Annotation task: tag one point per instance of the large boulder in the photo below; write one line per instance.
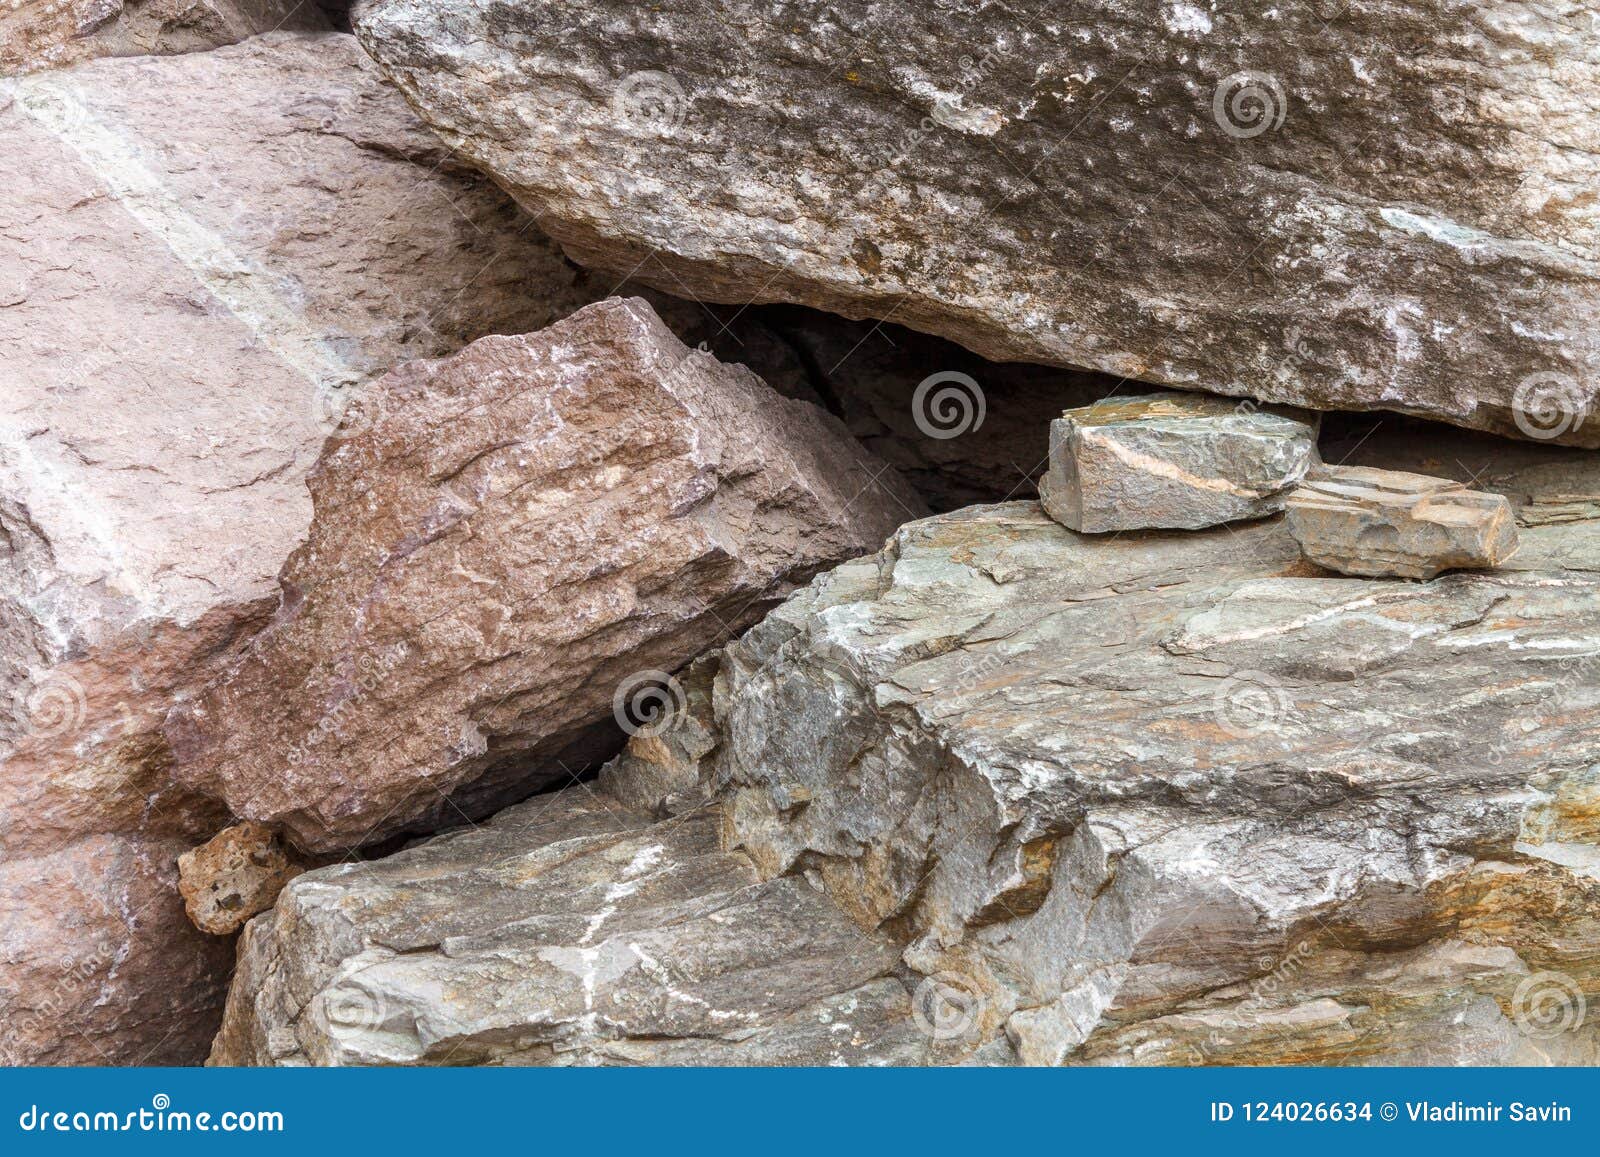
(1174, 798)
(512, 548)
(38, 34)
(1385, 208)
(568, 931)
(200, 257)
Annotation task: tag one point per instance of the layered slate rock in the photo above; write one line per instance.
(511, 548)
(37, 34)
(568, 931)
(200, 257)
(1344, 213)
(1165, 798)
(1362, 521)
(233, 876)
(1173, 461)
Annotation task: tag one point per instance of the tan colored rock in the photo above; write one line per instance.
(234, 875)
(1362, 521)
(511, 549)
(1173, 461)
(199, 256)
(38, 34)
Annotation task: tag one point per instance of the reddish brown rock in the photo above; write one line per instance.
(199, 256)
(234, 875)
(510, 547)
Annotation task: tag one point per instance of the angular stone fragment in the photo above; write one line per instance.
(510, 547)
(567, 931)
(1256, 200)
(1162, 799)
(233, 876)
(1361, 521)
(1173, 461)
(200, 256)
(660, 771)
(38, 34)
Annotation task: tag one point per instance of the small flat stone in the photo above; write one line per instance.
(1174, 461)
(1363, 521)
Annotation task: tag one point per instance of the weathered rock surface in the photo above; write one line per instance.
(1552, 491)
(1354, 212)
(234, 875)
(199, 255)
(567, 931)
(1173, 461)
(978, 432)
(38, 34)
(1160, 799)
(1362, 521)
(509, 547)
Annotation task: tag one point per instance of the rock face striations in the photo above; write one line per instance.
(1161, 798)
(509, 546)
(201, 258)
(1156, 799)
(1386, 209)
(569, 931)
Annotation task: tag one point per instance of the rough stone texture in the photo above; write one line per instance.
(1362, 521)
(234, 875)
(568, 931)
(1162, 798)
(983, 442)
(1173, 461)
(37, 34)
(195, 251)
(661, 771)
(1389, 208)
(505, 542)
(1550, 490)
